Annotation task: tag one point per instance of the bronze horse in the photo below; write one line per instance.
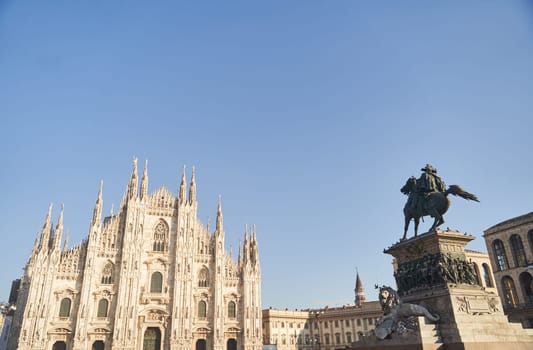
(435, 204)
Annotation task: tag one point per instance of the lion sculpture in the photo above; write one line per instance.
(396, 313)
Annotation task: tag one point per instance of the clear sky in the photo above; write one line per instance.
(305, 116)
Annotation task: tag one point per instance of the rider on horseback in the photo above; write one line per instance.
(427, 183)
(429, 196)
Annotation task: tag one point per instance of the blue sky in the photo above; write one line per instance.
(306, 117)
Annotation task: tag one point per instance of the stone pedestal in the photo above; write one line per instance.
(432, 271)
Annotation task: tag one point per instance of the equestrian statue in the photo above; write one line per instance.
(428, 196)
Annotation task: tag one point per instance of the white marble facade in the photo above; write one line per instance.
(150, 276)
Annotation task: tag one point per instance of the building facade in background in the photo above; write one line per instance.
(510, 247)
(321, 329)
(481, 263)
(150, 276)
(7, 311)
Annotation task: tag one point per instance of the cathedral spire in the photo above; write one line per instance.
(254, 251)
(47, 228)
(132, 186)
(144, 181)
(48, 221)
(65, 245)
(192, 188)
(183, 187)
(239, 258)
(35, 244)
(219, 227)
(246, 247)
(359, 291)
(97, 212)
(58, 233)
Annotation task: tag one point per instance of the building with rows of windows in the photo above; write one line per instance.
(150, 277)
(321, 329)
(481, 263)
(510, 247)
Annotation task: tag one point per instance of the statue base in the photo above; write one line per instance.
(432, 271)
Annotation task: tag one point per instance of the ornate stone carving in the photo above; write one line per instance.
(397, 316)
(432, 270)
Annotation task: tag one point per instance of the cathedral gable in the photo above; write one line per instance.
(161, 201)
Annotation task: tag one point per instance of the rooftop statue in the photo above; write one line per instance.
(428, 196)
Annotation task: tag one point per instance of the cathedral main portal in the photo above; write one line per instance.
(152, 339)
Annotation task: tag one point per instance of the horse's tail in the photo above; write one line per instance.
(458, 191)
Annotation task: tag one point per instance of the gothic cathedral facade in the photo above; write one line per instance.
(149, 277)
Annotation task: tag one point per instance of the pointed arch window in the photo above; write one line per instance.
(231, 309)
(156, 283)
(202, 309)
(160, 237)
(64, 307)
(499, 255)
(107, 274)
(517, 248)
(103, 305)
(203, 278)
(509, 291)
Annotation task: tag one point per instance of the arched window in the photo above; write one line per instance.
(64, 307)
(156, 283)
(202, 309)
(349, 337)
(59, 345)
(499, 255)
(152, 338)
(98, 345)
(160, 237)
(478, 274)
(201, 344)
(526, 282)
(530, 238)
(102, 308)
(231, 309)
(486, 276)
(509, 291)
(517, 248)
(231, 344)
(107, 274)
(203, 278)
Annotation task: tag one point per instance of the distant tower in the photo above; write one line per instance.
(359, 291)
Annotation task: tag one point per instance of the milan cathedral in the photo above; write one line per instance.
(150, 277)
